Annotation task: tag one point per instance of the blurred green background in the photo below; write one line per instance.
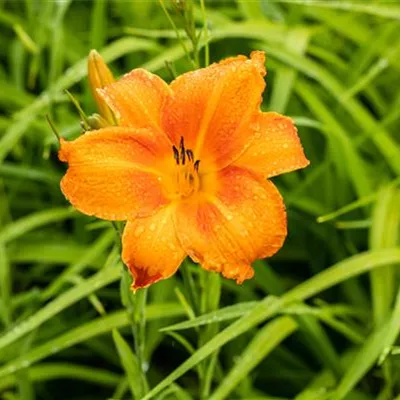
(320, 320)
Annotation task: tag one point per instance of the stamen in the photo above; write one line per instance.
(176, 154)
(187, 171)
(182, 150)
(190, 155)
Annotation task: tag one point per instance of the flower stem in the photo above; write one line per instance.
(135, 305)
(191, 289)
(182, 42)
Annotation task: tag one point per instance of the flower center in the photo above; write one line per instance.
(187, 170)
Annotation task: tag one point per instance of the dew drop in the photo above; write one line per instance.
(172, 247)
(139, 230)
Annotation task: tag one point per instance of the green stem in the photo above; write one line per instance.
(205, 30)
(190, 286)
(135, 305)
(181, 41)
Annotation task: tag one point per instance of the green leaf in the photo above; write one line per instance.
(223, 314)
(386, 10)
(266, 340)
(297, 41)
(131, 365)
(84, 332)
(54, 371)
(269, 307)
(371, 128)
(5, 286)
(13, 171)
(103, 278)
(382, 338)
(92, 253)
(384, 233)
(22, 226)
(346, 155)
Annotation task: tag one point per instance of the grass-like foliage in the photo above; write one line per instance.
(320, 320)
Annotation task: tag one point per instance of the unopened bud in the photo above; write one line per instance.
(96, 121)
(99, 76)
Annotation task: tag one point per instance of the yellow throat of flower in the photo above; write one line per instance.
(187, 171)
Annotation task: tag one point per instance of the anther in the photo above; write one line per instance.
(190, 155)
(176, 154)
(196, 165)
(182, 150)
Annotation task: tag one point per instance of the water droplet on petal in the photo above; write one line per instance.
(139, 230)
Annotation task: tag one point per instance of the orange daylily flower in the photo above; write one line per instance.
(187, 167)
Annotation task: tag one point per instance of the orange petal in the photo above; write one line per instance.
(276, 148)
(242, 221)
(137, 98)
(150, 248)
(112, 173)
(213, 109)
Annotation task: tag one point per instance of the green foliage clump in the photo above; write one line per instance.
(319, 321)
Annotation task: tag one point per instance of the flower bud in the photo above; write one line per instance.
(99, 76)
(96, 121)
